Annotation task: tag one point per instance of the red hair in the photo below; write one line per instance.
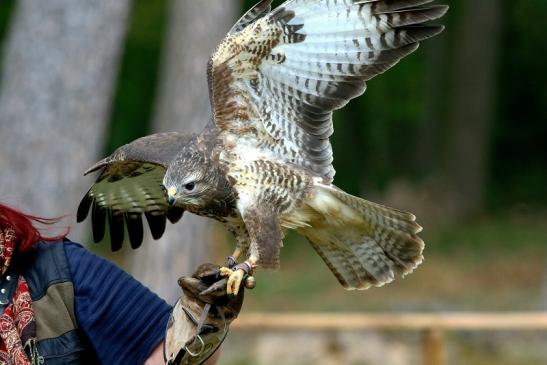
(24, 227)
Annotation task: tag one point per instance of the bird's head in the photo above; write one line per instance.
(196, 183)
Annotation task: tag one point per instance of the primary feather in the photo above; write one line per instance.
(275, 84)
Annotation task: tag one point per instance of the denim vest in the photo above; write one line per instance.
(48, 276)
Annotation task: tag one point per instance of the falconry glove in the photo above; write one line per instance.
(200, 319)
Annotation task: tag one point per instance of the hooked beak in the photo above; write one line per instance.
(171, 192)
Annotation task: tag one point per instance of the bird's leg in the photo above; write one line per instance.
(231, 260)
(237, 274)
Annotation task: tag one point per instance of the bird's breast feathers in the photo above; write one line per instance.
(261, 181)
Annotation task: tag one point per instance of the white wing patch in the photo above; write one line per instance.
(276, 82)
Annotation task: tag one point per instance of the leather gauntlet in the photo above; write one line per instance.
(200, 319)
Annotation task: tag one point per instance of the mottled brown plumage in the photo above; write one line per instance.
(264, 162)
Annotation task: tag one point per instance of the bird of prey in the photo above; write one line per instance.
(263, 163)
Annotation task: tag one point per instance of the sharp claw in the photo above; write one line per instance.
(234, 282)
(225, 271)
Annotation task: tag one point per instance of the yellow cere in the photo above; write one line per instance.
(172, 191)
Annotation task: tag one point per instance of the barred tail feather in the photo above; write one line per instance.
(363, 243)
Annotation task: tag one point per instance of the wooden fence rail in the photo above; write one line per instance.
(432, 325)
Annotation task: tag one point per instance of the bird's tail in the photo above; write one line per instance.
(363, 243)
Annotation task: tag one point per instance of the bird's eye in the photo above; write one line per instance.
(190, 186)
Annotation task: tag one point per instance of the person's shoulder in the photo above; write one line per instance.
(44, 252)
(46, 246)
(45, 265)
(82, 261)
(50, 251)
(73, 248)
(77, 253)
(57, 260)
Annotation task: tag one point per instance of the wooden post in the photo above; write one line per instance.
(433, 347)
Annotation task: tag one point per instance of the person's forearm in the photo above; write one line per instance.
(156, 357)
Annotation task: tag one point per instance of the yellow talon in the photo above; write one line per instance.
(225, 271)
(234, 282)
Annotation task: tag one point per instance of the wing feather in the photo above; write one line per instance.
(98, 217)
(256, 12)
(275, 81)
(130, 184)
(134, 228)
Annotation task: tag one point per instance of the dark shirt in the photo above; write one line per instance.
(123, 320)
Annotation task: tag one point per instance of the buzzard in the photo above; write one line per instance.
(263, 163)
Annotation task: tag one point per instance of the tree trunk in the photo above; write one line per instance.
(195, 28)
(471, 110)
(60, 65)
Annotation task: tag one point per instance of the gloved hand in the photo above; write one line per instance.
(200, 319)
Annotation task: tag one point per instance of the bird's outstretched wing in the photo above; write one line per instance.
(130, 184)
(256, 12)
(276, 78)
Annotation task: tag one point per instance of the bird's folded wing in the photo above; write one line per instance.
(276, 78)
(130, 184)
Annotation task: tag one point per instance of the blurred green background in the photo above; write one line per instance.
(467, 154)
(378, 137)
